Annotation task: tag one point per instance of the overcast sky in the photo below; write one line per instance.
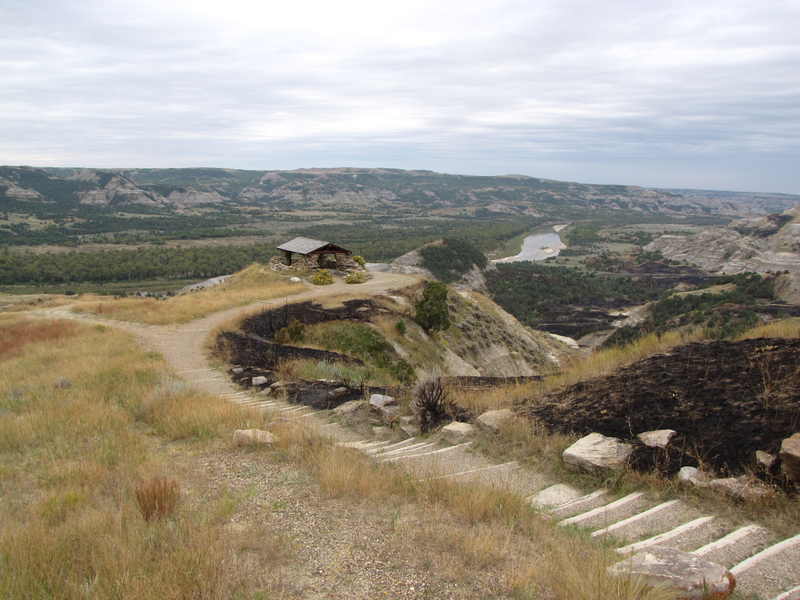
(700, 94)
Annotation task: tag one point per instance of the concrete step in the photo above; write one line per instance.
(792, 594)
(773, 571)
(610, 513)
(580, 505)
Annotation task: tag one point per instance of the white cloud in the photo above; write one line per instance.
(469, 86)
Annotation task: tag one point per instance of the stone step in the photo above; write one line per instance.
(425, 455)
(582, 504)
(605, 515)
(649, 519)
(737, 546)
(391, 447)
(793, 594)
(772, 571)
(668, 538)
(419, 447)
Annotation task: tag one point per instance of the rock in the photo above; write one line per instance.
(237, 370)
(378, 401)
(264, 392)
(338, 392)
(278, 385)
(595, 453)
(62, 382)
(692, 577)
(348, 408)
(765, 459)
(690, 475)
(657, 439)
(457, 433)
(390, 414)
(251, 437)
(408, 420)
(380, 431)
(555, 495)
(409, 431)
(259, 380)
(790, 457)
(491, 420)
(295, 279)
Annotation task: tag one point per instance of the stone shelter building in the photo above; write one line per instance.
(314, 254)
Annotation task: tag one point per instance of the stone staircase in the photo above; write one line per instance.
(764, 566)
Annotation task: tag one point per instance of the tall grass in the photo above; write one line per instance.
(70, 459)
(245, 287)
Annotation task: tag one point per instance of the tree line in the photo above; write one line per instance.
(19, 268)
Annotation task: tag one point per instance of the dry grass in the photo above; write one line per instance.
(784, 328)
(247, 286)
(70, 460)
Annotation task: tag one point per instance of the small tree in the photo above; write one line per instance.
(432, 313)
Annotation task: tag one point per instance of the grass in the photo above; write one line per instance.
(250, 285)
(72, 459)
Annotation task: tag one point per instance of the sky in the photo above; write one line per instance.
(677, 94)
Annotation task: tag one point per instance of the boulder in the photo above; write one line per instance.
(765, 459)
(790, 457)
(408, 420)
(595, 453)
(265, 392)
(458, 433)
(381, 431)
(692, 577)
(739, 488)
(409, 431)
(390, 414)
(251, 437)
(555, 495)
(691, 475)
(491, 420)
(237, 370)
(295, 279)
(278, 385)
(378, 401)
(340, 391)
(348, 408)
(259, 380)
(659, 438)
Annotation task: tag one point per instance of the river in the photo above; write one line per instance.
(541, 244)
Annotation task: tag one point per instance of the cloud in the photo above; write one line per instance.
(468, 85)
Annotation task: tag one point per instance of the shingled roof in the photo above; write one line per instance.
(303, 245)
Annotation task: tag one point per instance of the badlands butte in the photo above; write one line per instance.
(431, 420)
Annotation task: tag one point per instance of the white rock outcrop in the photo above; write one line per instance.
(458, 433)
(692, 577)
(253, 437)
(595, 453)
(492, 420)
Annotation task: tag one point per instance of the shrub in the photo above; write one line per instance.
(432, 313)
(356, 278)
(360, 260)
(157, 498)
(323, 277)
(400, 326)
(430, 402)
(293, 332)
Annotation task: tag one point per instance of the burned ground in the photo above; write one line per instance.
(725, 399)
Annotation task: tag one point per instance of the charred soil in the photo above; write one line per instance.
(725, 399)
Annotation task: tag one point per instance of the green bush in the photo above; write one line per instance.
(356, 278)
(400, 326)
(432, 313)
(360, 260)
(323, 277)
